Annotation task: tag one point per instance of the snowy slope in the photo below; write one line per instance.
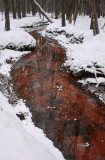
(17, 38)
(18, 142)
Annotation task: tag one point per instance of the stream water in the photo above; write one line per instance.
(70, 117)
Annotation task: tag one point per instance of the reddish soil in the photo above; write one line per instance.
(70, 117)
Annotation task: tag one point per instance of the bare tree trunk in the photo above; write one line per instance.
(32, 7)
(71, 11)
(42, 11)
(67, 9)
(18, 8)
(95, 21)
(2, 9)
(63, 13)
(77, 10)
(13, 9)
(98, 2)
(10, 6)
(56, 9)
(7, 20)
(23, 2)
(70, 18)
(28, 6)
(91, 24)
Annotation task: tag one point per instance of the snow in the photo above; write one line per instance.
(97, 81)
(85, 53)
(17, 38)
(11, 55)
(22, 140)
(88, 56)
(28, 21)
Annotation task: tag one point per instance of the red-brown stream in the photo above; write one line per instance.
(70, 117)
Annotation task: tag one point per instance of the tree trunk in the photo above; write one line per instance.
(71, 11)
(91, 24)
(7, 21)
(63, 13)
(67, 8)
(42, 11)
(23, 2)
(77, 10)
(13, 9)
(33, 7)
(18, 9)
(10, 6)
(28, 6)
(56, 9)
(98, 2)
(95, 21)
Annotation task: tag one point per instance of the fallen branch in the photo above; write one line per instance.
(42, 11)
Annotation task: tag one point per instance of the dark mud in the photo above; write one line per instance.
(70, 117)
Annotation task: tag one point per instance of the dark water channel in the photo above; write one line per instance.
(70, 117)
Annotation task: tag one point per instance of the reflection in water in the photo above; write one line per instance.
(73, 120)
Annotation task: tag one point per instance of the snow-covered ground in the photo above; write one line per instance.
(20, 140)
(7, 56)
(16, 38)
(85, 53)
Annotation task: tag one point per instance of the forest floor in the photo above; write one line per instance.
(84, 57)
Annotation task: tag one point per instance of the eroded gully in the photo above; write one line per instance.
(70, 117)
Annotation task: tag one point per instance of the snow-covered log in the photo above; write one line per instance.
(42, 11)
